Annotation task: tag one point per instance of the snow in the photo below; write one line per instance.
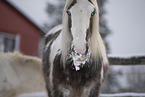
(33, 10)
(39, 94)
(80, 59)
(123, 94)
(43, 94)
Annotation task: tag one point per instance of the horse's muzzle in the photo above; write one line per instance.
(79, 50)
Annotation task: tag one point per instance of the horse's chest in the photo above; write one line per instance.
(70, 76)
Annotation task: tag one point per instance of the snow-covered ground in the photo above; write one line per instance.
(43, 94)
(124, 95)
(39, 94)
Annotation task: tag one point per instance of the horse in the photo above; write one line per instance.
(20, 74)
(75, 62)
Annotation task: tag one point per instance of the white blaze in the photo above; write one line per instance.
(80, 17)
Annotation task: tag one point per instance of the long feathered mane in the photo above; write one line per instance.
(95, 43)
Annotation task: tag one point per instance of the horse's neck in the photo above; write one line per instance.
(55, 47)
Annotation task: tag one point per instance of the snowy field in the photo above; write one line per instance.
(43, 94)
(124, 95)
(39, 94)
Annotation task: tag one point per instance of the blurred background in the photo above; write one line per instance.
(23, 23)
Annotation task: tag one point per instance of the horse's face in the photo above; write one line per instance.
(80, 13)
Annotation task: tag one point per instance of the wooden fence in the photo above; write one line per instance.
(127, 60)
(114, 60)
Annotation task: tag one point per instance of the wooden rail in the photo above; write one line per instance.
(129, 60)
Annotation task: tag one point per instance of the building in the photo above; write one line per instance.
(17, 31)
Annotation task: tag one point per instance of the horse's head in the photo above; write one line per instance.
(80, 14)
(81, 21)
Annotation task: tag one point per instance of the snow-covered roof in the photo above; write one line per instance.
(26, 16)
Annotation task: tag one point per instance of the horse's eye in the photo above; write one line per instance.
(68, 12)
(93, 13)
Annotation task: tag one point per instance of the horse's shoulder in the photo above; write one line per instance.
(53, 33)
(54, 29)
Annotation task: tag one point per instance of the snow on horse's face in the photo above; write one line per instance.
(79, 14)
